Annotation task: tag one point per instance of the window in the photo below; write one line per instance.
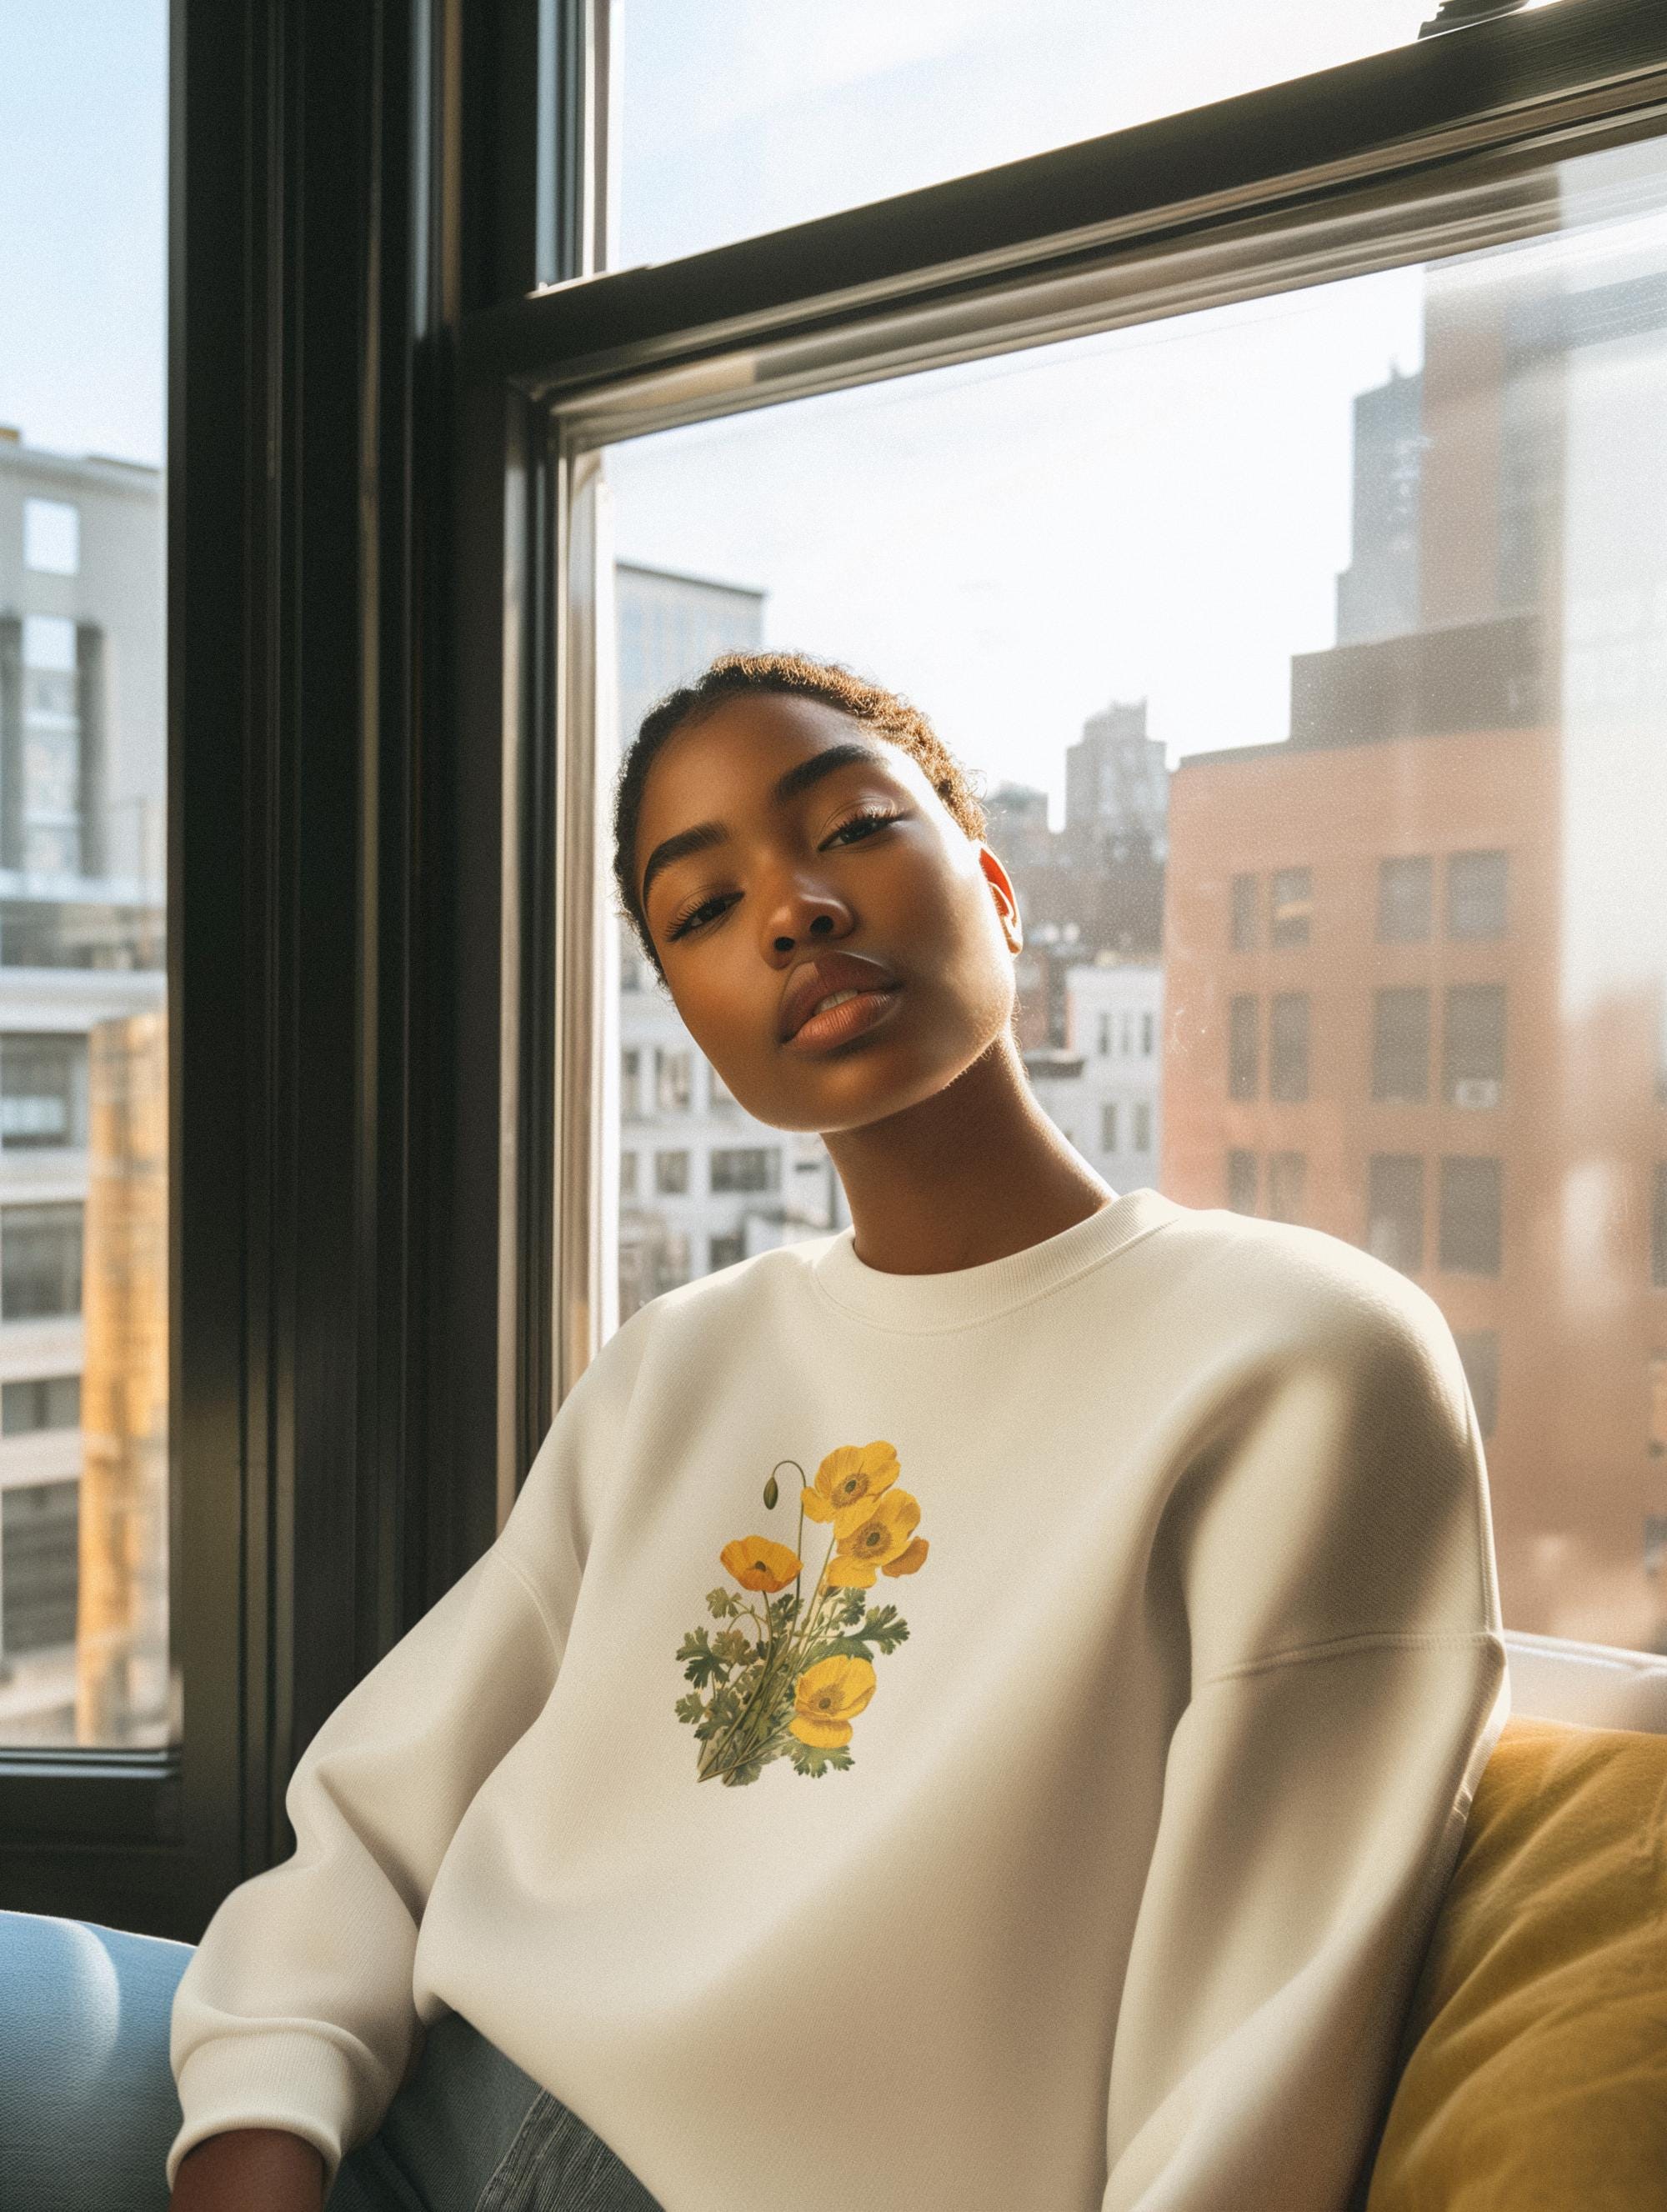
(1470, 705)
(674, 1072)
(1290, 906)
(1287, 1185)
(52, 538)
(1406, 900)
(1244, 1049)
(1473, 1056)
(1394, 1210)
(1142, 1125)
(39, 1568)
(1242, 1182)
(756, 1168)
(1148, 1035)
(39, 1261)
(735, 119)
(1476, 895)
(1287, 1046)
(1470, 1214)
(628, 1160)
(43, 1090)
(723, 1251)
(43, 1401)
(1244, 894)
(1479, 1351)
(630, 1084)
(43, 834)
(1658, 1406)
(672, 1173)
(1400, 1046)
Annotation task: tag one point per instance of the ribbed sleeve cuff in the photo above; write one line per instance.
(273, 2078)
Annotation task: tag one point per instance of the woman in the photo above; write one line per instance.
(973, 1711)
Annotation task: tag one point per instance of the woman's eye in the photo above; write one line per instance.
(871, 819)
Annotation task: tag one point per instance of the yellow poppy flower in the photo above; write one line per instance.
(885, 1534)
(909, 1562)
(827, 1698)
(849, 1481)
(758, 1564)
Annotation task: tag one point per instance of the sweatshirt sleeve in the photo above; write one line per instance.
(1347, 1685)
(295, 2010)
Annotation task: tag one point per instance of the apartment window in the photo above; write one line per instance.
(754, 1167)
(39, 1261)
(628, 1174)
(672, 1173)
(725, 1251)
(630, 1084)
(668, 1261)
(1142, 1127)
(1242, 1182)
(1109, 1125)
(1244, 899)
(1658, 1229)
(1287, 1046)
(1290, 906)
(52, 538)
(1105, 1036)
(1477, 894)
(1394, 1210)
(1287, 1185)
(1406, 900)
(1471, 1189)
(1657, 1416)
(1473, 1045)
(39, 1565)
(41, 1401)
(1400, 1046)
(1244, 1049)
(1148, 1035)
(675, 1080)
(1478, 1353)
(43, 1090)
(46, 836)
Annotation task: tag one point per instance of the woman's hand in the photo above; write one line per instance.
(250, 2170)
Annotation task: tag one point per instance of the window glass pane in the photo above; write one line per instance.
(1245, 937)
(83, 1120)
(741, 116)
(1290, 903)
(1410, 638)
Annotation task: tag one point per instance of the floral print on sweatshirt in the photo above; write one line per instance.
(788, 1676)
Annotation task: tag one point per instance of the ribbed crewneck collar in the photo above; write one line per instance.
(923, 1304)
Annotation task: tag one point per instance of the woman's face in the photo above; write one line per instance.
(782, 879)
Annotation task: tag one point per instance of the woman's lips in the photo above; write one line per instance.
(849, 1020)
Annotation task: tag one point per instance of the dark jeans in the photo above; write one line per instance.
(88, 2107)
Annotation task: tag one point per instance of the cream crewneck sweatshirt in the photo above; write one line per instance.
(1072, 1849)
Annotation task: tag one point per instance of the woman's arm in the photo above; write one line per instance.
(1348, 1683)
(250, 2170)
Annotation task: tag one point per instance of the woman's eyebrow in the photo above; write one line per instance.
(799, 777)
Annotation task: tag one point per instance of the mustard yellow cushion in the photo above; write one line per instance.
(1534, 2069)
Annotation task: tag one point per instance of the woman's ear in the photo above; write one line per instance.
(1007, 899)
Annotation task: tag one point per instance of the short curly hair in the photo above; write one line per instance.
(792, 674)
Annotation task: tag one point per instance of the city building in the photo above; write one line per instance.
(1413, 954)
(83, 1087)
(1102, 1087)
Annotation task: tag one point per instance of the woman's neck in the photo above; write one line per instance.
(971, 1173)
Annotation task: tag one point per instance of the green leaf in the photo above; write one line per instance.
(702, 1663)
(721, 1605)
(813, 1759)
(691, 1708)
(733, 1644)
